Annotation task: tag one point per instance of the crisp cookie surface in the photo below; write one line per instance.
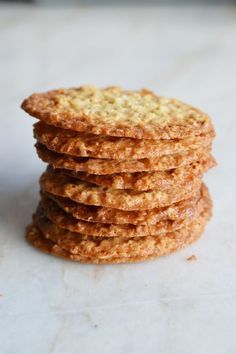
(88, 249)
(180, 210)
(108, 147)
(143, 181)
(102, 167)
(64, 220)
(116, 112)
(55, 182)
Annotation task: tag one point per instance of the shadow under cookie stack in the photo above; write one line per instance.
(124, 175)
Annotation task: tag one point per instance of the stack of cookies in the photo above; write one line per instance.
(124, 175)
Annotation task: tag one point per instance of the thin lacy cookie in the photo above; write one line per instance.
(117, 112)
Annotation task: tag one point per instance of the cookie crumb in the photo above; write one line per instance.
(192, 258)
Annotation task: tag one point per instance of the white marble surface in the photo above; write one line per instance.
(168, 306)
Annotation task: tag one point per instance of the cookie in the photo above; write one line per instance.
(55, 182)
(143, 181)
(108, 147)
(180, 210)
(65, 220)
(102, 167)
(116, 112)
(88, 249)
